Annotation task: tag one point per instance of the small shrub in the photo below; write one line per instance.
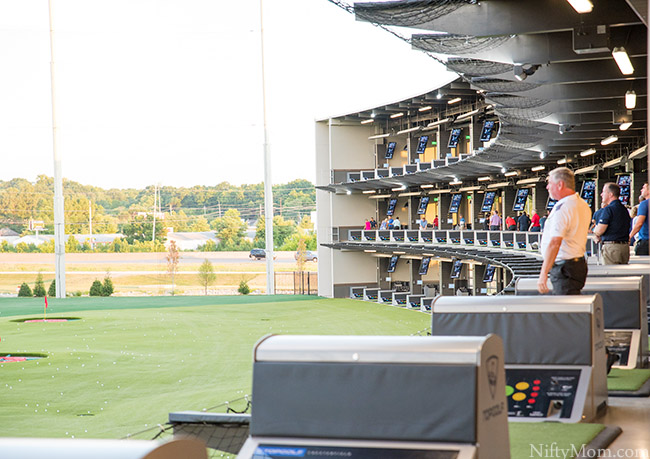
(96, 289)
(39, 288)
(244, 289)
(51, 291)
(107, 288)
(25, 290)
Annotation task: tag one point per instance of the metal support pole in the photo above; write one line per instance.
(59, 218)
(268, 189)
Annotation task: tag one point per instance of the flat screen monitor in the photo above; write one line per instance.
(624, 182)
(488, 200)
(456, 269)
(454, 137)
(520, 200)
(489, 273)
(422, 144)
(455, 203)
(486, 133)
(390, 150)
(588, 191)
(424, 202)
(392, 263)
(424, 266)
(391, 206)
(550, 203)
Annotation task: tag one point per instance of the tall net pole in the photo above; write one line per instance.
(268, 189)
(59, 219)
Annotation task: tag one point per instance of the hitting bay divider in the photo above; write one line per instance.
(554, 350)
(625, 314)
(340, 396)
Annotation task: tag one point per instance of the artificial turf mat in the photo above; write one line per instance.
(126, 364)
(626, 380)
(553, 439)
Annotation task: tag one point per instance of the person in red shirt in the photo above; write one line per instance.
(435, 223)
(534, 223)
(511, 224)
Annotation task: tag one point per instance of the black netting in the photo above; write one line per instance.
(520, 130)
(456, 45)
(498, 85)
(511, 101)
(407, 13)
(525, 113)
(477, 67)
(520, 121)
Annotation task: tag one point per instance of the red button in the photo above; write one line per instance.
(534, 394)
(536, 388)
(537, 382)
(531, 401)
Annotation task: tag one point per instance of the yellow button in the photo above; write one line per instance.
(522, 385)
(519, 396)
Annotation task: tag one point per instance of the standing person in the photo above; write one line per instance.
(373, 223)
(564, 238)
(367, 225)
(523, 222)
(535, 225)
(397, 224)
(435, 222)
(461, 223)
(613, 227)
(511, 224)
(542, 221)
(634, 217)
(384, 224)
(495, 221)
(641, 226)
(423, 222)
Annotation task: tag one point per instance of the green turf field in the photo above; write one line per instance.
(130, 361)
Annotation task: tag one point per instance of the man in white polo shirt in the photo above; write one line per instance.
(565, 237)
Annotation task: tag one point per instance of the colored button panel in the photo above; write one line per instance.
(509, 391)
(522, 385)
(519, 396)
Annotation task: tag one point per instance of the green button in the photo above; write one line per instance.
(509, 391)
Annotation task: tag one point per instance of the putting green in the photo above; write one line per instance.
(626, 380)
(130, 361)
(546, 439)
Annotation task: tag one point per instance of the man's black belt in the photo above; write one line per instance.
(570, 260)
(616, 242)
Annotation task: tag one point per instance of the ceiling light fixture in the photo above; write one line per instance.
(439, 95)
(369, 120)
(397, 115)
(608, 140)
(456, 182)
(511, 173)
(403, 187)
(625, 126)
(484, 179)
(467, 115)
(404, 131)
(581, 6)
(587, 152)
(630, 100)
(543, 155)
(425, 109)
(538, 168)
(454, 100)
(623, 61)
(378, 136)
(438, 123)
(426, 186)
(563, 160)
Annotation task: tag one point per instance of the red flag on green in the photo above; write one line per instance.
(45, 301)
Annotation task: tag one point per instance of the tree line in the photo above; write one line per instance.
(220, 208)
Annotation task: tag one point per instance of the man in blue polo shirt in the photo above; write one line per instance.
(612, 227)
(641, 226)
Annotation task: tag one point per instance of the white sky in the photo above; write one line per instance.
(169, 91)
